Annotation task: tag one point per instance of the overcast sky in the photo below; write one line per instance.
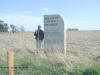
(82, 14)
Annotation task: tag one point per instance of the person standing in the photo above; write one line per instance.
(39, 36)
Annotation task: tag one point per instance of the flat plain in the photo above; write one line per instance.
(82, 47)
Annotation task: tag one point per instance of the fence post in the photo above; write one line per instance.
(10, 63)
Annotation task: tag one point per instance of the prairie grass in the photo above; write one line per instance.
(82, 48)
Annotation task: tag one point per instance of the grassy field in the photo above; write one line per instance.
(83, 49)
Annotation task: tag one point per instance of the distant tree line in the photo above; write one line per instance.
(11, 28)
(73, 29)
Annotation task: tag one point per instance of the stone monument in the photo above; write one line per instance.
(54, 33)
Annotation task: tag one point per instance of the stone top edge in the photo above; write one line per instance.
(54, 15)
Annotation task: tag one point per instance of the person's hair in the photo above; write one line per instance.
(39, 26)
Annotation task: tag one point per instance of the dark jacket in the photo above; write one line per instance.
(41, 35)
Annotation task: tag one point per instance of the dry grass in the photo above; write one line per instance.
(82, 47)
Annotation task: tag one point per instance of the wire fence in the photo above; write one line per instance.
(11, 68)
(27, 71)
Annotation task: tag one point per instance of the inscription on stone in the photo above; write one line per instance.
(54, 32)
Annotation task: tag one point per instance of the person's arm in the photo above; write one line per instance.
(35, 33)
(42, 35)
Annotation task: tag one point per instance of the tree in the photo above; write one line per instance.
(22, 29)
(3, 26)
(13, 28)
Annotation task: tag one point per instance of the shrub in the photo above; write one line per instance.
(92, 71)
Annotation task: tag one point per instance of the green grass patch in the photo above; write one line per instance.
(33, 66)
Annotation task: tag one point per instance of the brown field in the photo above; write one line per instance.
(82, 47)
